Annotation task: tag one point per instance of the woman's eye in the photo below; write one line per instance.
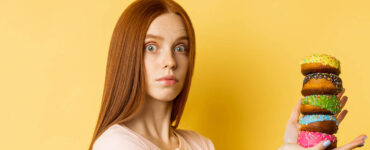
(151, 48)
(180, 48)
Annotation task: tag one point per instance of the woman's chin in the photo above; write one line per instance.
(164, 96)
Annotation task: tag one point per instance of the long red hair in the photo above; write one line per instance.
(124, 89)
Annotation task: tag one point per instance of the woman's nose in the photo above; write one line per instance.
(169, 60)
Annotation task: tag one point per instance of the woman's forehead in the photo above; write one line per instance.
(167, 25)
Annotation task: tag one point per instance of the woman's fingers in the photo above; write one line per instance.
(341, 116)
(358, 142)
(341, 93)
(355, 143)
(343, 102)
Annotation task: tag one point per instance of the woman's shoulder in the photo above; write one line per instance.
(195, 138)
(116, 138)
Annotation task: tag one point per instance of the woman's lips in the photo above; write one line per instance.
(167, 82)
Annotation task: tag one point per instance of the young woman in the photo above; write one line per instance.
(148, 76)
(291, 131)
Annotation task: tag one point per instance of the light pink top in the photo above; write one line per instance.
(120, 137)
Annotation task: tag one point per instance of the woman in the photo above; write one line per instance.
(291, 131)
(148, 76)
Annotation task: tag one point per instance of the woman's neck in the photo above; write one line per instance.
(153, 120)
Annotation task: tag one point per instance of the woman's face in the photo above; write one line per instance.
(166, 57)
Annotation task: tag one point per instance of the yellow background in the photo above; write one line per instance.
(247, 75)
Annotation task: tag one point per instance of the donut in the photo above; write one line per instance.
(320, 63)
(310, 139)
(319, 123)
(320, 104)
(321, 83)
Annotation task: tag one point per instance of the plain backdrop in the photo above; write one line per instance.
(247, 74)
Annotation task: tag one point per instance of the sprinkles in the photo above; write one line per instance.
(325, 101)
(310, 139)
(328, 102)
(328, 76)
(323, 59)
(307, 119)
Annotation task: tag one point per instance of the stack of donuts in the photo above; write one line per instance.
(320, 104)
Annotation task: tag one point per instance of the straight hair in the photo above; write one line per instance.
(124, 87)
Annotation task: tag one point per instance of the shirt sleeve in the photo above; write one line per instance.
(209, 144)
(113, 141)
(196, 139)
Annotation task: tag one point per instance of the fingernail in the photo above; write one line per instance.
(326, 143)
(361, 144)
(365, 138)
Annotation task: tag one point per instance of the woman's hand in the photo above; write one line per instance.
(292, 130)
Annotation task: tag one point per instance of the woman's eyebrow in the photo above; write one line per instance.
(161, 38)
(182, 38)
(154, 37)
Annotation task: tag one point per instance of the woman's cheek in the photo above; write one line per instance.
(150, 69)
(184, 67)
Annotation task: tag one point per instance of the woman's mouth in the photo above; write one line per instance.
(167, 82)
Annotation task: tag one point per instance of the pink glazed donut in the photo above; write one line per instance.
(310, 139)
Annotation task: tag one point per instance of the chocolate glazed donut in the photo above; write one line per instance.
(321, 83)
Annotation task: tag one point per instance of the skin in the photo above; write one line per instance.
(292, 130)
(165, 54)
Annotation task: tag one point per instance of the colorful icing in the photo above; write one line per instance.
(323, 59)
(307, 119)
(328, 76)
(310, 139)
(328, 102)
